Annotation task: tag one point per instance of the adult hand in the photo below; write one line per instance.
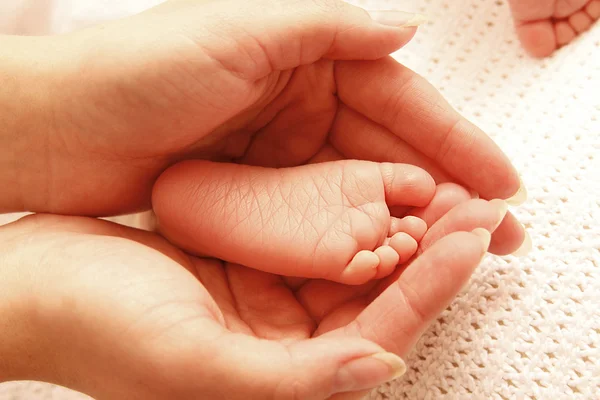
(272, 83)
(119, 313)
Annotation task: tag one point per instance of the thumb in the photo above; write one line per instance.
(256, 38)
(308, 369)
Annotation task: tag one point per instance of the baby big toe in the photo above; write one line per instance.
(362, 268)
(405, 245)
(538, 38)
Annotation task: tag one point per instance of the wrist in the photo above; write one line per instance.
(29, 80)
(36, 330)
(20, 330)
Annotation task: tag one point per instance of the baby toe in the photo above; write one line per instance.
(405, 246)
(580, 21)
(362, 268)
(413, 226)
(593, 9)
(388, 260)
(564, 33)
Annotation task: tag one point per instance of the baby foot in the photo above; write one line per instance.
(328, 220)
(545, 25)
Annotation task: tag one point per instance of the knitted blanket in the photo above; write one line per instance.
(524, 328)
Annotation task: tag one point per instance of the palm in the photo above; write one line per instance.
(156, 311)
(240, 299)
(271, 307)
(291, 127)
(135, 305)
(283, 122)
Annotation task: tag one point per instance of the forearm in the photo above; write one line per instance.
(19, 347)
(25, 120)
(32, 328)
(18, 344)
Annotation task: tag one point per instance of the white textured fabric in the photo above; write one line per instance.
(525, 328)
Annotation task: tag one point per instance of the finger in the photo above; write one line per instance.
(447, 196)
(350, 396)
(326, 154)
(325, 299)
(465, 216)
(253, 39)
(322, 298)
(397, 318)
(308, 369)
(406, 104)
(349, 135)
(475, 213)
(510, 238)
(506, 238)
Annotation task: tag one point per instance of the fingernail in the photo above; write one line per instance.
(369, 372)
(525, 247)
(520, 197)
(474, 194)
(484, 235)
(502, 210)
(399, 19)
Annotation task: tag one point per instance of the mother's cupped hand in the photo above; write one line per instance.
(271, 83)
(120, 313)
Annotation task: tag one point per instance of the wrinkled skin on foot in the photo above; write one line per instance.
(545, 25)
(326, 220)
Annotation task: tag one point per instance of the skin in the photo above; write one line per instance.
(99, 117)
(120, 313)
(545, 25)
(327, 220)
(276, 97)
